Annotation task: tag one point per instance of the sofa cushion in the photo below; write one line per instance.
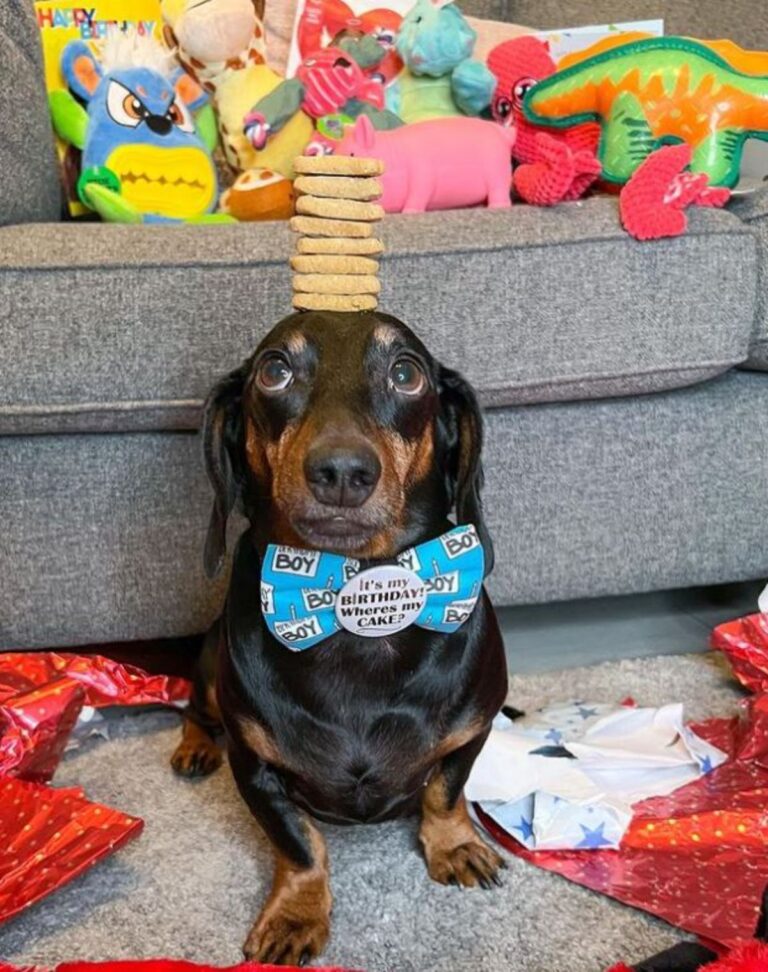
(753, 210)
(740, 20)
(29, 187)
(105, 532)
(119, 327)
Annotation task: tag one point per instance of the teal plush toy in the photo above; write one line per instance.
(143, 157)
(440, 78)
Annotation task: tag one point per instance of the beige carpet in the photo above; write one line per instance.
(192, 883)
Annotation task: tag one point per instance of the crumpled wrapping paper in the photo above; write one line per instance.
(35, 726)
(744, 642)
(698, 858)
(105, 682)
(567, 776)
(42, 694)
(47, 835)
(157, 965)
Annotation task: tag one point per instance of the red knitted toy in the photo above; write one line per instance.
(652, 203)
(553, 166)
(746, 958)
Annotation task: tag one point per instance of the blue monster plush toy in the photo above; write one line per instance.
(143, 159)
(440, 78)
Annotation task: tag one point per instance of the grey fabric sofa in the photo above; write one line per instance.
(625, 448)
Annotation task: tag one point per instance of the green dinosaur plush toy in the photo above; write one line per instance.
(653, 91)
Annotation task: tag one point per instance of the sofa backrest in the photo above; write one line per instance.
(743, 21)
(29, 175)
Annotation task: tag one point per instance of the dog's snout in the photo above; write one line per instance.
(342, 475)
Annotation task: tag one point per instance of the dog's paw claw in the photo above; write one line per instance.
(200, 759)
(469, 865)
(280, 939)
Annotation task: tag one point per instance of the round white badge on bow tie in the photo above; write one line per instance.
(380, 601)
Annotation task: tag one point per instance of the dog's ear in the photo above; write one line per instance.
(223, 445)
(463, 422)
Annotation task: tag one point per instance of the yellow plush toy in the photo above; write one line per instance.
(221, 44)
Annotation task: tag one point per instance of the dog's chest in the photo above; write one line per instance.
(366, 730)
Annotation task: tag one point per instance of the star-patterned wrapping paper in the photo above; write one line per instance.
(49, 836)
(698, 857)
(566, 776)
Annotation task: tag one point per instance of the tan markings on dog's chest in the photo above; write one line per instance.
(454, 741)
(261, 742)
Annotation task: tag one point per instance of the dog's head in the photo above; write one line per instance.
(342, 433)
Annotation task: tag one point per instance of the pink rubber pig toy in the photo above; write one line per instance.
(442, 163)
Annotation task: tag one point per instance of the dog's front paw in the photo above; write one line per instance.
(283, 935)
(196, 758)
(468, 864)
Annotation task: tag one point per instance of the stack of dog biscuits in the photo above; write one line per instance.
(335, 265)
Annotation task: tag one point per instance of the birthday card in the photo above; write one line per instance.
(62, 21)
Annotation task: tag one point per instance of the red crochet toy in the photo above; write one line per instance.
(559, 166)
(553, 167)
(652, 203)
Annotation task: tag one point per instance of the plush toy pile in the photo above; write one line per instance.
(662, 120)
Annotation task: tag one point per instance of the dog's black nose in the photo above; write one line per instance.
(342, 475)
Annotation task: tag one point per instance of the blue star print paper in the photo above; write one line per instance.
(566, 777)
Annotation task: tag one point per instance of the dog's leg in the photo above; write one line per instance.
(294, 923)
(453, 849)
(198, 754)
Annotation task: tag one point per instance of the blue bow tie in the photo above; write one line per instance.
(309, 595)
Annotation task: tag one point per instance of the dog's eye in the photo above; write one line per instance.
(406, 377)
(274, 374)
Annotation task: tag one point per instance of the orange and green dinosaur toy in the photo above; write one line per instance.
(652, 91)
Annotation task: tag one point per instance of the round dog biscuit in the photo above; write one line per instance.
(369, 246)
(335, 302)
(336, 283)
(329, 263)
(319, 226)
(339, 187)
(337, 165)
(339, 208)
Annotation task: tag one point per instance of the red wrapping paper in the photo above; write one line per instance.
(744, 642)
(158, 965)
(35, 726)
(48, 837)
(42, 693)
(105, 682)
(698, 858)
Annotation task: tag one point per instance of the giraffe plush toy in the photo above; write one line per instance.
(221, 44)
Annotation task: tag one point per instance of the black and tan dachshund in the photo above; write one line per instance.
(341, 433)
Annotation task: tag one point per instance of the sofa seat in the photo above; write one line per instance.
(122, 328)
(582, 498)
